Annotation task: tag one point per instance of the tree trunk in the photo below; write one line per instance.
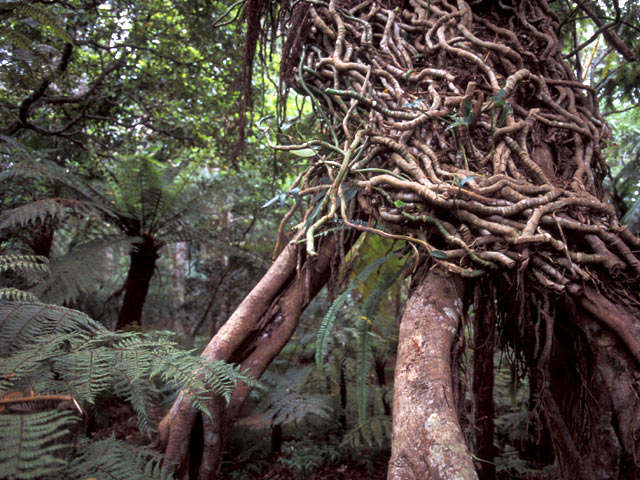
(427, 440)
(484, 320)
(143, 263)
(254, 334)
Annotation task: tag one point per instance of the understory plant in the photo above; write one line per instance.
(56, 363)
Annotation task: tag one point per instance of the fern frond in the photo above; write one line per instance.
(111, 458)
(287, 400)
(15, 294)
(31, 441)
(367, 314)
(16, 38)
(375, 432)
(41, 210)
(44, 17)
(80, 271)
(52, 173)
(197, 376)
(328, 321)
(23, 322)
(24, 262)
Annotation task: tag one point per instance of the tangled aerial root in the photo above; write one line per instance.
(464, 133)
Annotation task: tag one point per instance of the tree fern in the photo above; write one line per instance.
(41, 210)
(328, 321)
(42, 16)
(53, 350)
(81, 270)
(17, 295)
(23, 262)
(79, 190)
(29, 267)
(89, 360)
(31, 443)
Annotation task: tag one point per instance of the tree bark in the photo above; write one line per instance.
(427, 441)
(253, 336)
(619, 374)
(143, 263)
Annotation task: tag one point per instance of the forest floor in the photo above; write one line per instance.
(119, 420)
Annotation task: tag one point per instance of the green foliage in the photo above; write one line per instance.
(31, 443)
(23, 11)
(287, 401)
(58, 351)
(26, 266)
(305, 456)
(328, 321)
(48, 209)
(87, 360)
(366, 318)
(374, 432)
(80, 270)
(111, 458)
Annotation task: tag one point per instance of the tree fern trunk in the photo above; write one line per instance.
(143, 264)
(40, 238)
(427, 440)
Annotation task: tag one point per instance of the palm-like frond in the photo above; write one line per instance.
(111, 458)
(89, 360)
(31, 443)
(80, 271)
(42, 210)
(57, 351)
(80, 190)
(23, 322)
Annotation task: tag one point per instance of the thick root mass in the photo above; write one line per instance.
(464, 133)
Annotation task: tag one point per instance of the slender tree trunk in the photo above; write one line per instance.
(427, 440)
(141, 268)
(484, 347)
(253, 336)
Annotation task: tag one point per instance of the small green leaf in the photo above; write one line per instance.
(466, 180)
(271, 202)
(304, 152)
(399, 203)
(414, 104)
(505, 112)
(498, 98)
(466, 108)
(439, 254)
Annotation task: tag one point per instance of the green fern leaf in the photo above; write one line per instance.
(43, 17)
(367, 314)
(17, 295)
(23, 322)
(375, 432)
(328, 321)
(80, 271)
(33, 443)
(111, 458)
